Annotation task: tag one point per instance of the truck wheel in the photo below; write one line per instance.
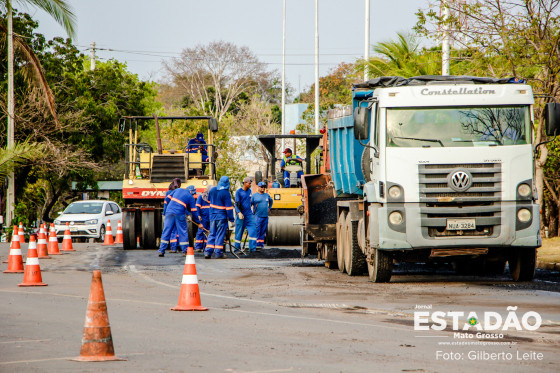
(129, 230)
(340, 244)
(354, 259)
(380, 267)
(522, 263)
(148, 230)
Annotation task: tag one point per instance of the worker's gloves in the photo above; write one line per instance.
(240, 215)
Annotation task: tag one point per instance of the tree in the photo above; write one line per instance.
(514, 37)
(214, 77)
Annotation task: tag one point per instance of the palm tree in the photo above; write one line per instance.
(62, 13)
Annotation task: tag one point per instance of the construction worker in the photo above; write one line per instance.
(290, 160)
(181, 203)
(221, 210)
(244, 216)
(261, 203)
(176, 183)
(198, 144)
(203, 206)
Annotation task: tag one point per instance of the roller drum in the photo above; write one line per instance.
(282, 231)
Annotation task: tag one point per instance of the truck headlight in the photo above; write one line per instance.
(395, 192)
(92, 221)
(395, 218)
(524, 190)
(57, 222)
(524, 215)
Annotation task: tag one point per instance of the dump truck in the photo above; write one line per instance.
(430, 168)
(148, 173)
(284, 226)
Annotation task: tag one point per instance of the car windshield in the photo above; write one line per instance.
(84, 208)
(458, 126)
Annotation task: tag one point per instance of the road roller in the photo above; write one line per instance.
(285, 218)
(147, 175)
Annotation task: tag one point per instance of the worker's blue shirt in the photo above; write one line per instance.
(193, 145)
(243, 199)
(182, 203)
(220, 201)
(203, 209)
(261, 204)
(292, 160)
(167, 199)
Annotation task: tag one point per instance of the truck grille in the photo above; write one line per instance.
(480, 201)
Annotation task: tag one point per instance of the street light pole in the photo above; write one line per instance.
(10, 197)
(366, 41)
(317, 111)
(283, 73)
(445, 43)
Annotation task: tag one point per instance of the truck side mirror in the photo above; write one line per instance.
(213, 124)
(552, 118)
(361, 123)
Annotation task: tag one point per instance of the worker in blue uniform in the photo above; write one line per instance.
(244, 216)
(221, 210)
(261, 203)
(203, 207)
(176, 183)
(181, 203)
(198, 144)
(290, 160)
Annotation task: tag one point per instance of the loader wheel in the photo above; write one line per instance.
(354, 259)
(148, 230)
(380, 266)
(258, 177)
(522, 263)
(340, 241)
(129, 230)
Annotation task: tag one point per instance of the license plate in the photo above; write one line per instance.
(461, 224)
(73, 229)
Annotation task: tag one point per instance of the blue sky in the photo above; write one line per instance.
(143, 33)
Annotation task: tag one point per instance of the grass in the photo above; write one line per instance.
(550, 251)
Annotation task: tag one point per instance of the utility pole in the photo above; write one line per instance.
(445, 42)
(10, 196)
(92, 65)
(317, 111)
(366, 40)
(283, 73)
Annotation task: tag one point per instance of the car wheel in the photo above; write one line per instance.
(101, 234)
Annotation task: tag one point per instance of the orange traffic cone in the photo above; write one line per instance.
(21, 234)
(108, 235)
(15, 261)
(189, 296)
(14, 243)
(97, 342)
(42, 249)
(53, 242)
(119, 238)
(32, 275)
(138, 242)
(67, 240)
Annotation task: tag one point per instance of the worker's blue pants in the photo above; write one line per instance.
(248, 222)
(262, 225)
(173, 240)
(179, 222)
(216, 238)
(200, 240)
(287, 178)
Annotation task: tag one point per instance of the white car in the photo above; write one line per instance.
(88, 219)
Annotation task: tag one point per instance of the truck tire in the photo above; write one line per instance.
(354, 259)
(381, 266)
(366, 164)
(148, 230)
(129, 230)
(522, 263)
(258, 177)
(340, 241)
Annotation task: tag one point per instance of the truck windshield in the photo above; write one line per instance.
(458, 126)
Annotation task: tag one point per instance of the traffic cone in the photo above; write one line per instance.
(15, 240)
(53, 242)
(189, 296)
(119, 238)
(15, 261)
(42, 249)
(32, 274)
(21, 234)
(108, 235)
(67, 240)
(138, 242)
(97, 342)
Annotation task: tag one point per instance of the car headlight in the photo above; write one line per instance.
(524, 215)
(524, 190)
(57, 222)
(395, 192)
(395, 218)
(92, 221)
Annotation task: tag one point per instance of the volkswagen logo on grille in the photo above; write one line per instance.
(459, 180)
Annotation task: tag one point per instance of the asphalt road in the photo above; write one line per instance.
(272, 313)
